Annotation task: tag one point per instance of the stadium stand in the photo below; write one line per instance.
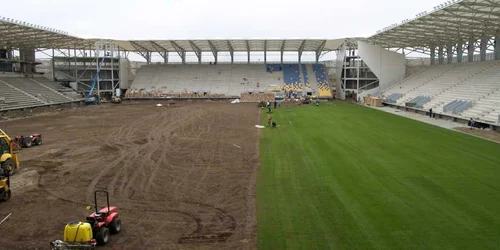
(467, 90)
(68, 92)
(15, 98)
(305, 76)
(222, 80)
(291, 76)
(230, 80)
(322, 80)
(17, 93)
(313, 81)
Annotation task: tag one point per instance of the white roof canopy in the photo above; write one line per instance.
(446, 24)
(236, 45)
(17, 34)
(455, 21)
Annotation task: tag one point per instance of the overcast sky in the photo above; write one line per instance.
(190, 19)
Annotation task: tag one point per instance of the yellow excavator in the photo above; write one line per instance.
(9, 159)
(4, 185)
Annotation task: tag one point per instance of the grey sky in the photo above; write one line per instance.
(183, 19)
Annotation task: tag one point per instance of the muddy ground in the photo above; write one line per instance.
(488, 134)
(183, 175)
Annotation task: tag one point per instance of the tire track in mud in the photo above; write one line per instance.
(183, 147)
(144, 169)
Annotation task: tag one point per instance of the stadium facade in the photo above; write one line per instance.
(455, 32)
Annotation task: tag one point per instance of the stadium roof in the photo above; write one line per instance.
(241, 45)
(446, 24)
(19, 34)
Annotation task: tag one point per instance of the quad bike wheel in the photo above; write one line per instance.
(102, 236)
(115, 226)
(27, 142)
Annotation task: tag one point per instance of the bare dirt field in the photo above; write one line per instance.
(182, 175)
(488, 134)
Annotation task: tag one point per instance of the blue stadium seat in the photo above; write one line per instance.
(274, 67)
(304, 72)
(320, 72)
(291, 74)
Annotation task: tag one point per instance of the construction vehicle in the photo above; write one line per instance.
(92, 99)
(116, 99)
(95, 231)
(9, 159)
(28, 141)
(4, 185)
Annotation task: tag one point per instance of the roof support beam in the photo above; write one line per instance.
(470, 49)
(52, 68)
(142, 51)
(180, 51)
(265, 51)
(62, 52)
(433, 54)
(214, 50)
(301, 49)
(419, 50)
(497, 46)
(282, 50)
(196, 50)
(440, 54)
(449, 53)
(248, 51)
(159, 49)
(231, 51)
(483, 46)
(165, 57)
(460, 50)
(475, 11)
(319, 49)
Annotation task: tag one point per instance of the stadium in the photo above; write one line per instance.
(389, 141)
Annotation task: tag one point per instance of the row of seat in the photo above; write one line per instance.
(18, 92)
(478, 83)
(225, 79)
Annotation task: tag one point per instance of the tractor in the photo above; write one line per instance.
(28, 141)
(9, 159)
(95, 231)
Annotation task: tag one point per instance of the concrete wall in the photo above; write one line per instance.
(340, 66)
(388, 66)
(125, 74)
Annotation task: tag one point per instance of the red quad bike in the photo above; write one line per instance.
(104, 221)
(28, 141)
(95, 231)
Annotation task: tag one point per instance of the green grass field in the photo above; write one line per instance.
(342, 176)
